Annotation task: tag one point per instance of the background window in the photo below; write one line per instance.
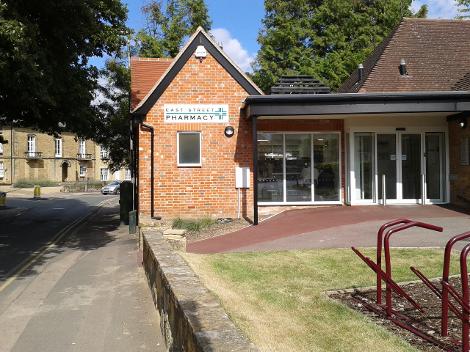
(104, 152)
(31, 144)
(189, 148)
(81, 147)
(58, 147)
(104, 174)
(326, 167)
(270, 167)
(290, 164)
(1, 148)
(298, 167)
(2, 170)
(82, 171)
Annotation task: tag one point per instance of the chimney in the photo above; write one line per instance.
(360, 70)
(402, 67)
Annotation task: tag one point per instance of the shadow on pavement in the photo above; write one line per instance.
(26, 231)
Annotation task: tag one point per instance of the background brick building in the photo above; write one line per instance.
(30, 155)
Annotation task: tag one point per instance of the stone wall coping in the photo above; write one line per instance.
(207, 321)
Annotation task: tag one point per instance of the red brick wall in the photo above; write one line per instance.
(310, 125)
(459, 174)
(199, 191)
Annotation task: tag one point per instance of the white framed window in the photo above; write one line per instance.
(58, 147)
(31, 144)
(2, 170)
(81, 147)
(128, 175)
(104, 174)
(104, 153)
(189, 149)
(82, 171)
(1, 148)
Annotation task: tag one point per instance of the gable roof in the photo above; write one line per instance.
(436, 54)
(200, 37)
(144, 73)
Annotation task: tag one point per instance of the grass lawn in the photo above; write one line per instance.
(278, 299)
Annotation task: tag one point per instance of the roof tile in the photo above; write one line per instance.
(145, 72)
(436, 54)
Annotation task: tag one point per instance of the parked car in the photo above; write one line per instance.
(111, 188)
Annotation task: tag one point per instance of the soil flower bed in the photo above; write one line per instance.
(429, 322)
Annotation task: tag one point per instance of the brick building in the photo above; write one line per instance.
(392, 134)
(30, 155)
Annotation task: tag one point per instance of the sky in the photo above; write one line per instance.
(236, 23)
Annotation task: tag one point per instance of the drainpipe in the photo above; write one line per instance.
(131, 158)
(255, 170)
(11, 154)
(152, 193)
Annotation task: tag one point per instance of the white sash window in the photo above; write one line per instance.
(31, 144)
(58, 147)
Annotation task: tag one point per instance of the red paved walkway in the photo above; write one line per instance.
(295, 222)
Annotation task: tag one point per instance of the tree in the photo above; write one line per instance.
(168, 24)
(163, 36)
(323, 38)
(113, 132)
(463, 8)
(45, 77)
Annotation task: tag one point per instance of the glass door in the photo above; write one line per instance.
(435, 166)
(411, 166)
(406, 167)
(364, 166)
(387, 166)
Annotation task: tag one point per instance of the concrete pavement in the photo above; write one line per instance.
(28, 192)
(87, 293)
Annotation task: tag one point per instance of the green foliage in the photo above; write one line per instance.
(167, 27)
(325, 39)
(45, 76)
(168, 24)
(31, 183)
(113, 132)
(82, 186)
(192, 225)
(464, 8)
(422, 12)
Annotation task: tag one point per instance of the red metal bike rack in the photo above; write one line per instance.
(388, 262)
(461, 301)
(383, 240)
(445, 280)
(384, 234)
(379, 252)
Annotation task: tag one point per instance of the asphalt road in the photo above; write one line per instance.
(27, 224)
(86, 292)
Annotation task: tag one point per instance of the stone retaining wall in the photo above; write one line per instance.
(191, 318)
